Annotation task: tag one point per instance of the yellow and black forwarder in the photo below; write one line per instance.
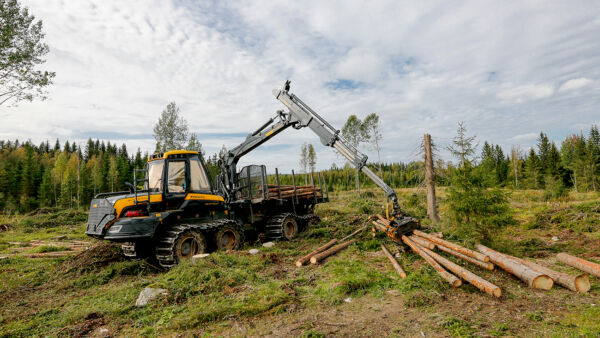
(178, 213)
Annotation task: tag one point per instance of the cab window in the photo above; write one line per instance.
(176, 177)
(198, 179)
(155, 174)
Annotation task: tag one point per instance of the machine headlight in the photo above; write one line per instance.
(115, 228)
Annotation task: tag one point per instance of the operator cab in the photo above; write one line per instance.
(175, 174)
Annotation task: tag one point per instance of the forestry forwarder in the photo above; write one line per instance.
(179, 213)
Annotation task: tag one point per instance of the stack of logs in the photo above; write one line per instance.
(287, 191)
(535, 275)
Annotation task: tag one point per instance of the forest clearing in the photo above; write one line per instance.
(236, 293)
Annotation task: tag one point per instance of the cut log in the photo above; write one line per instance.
(383, 220)
(438, 234)
(533, 278)
(450, 278)
(488, 265)
(306, 258)
(354, 233)
(320, 256)
(379, 226)
(394, 262)
(455, 247)
(465, 274)
(580, 283)
(422, 242)
(581, 264)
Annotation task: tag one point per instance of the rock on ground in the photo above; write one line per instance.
(253, 251)
(149, 294)
(197, 258)
(268, 244)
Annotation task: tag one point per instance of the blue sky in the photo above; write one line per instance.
(507, 69)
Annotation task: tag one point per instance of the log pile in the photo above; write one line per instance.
(535, 275)
(287, 191)
(425, 244)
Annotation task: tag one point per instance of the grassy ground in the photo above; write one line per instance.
(355, 293)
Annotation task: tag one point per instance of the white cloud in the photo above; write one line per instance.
(574, 84)
(421, 66)
(524, 137)
(524, 93)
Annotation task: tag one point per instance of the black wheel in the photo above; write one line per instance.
(229, 237)
(283, 226)
(179, 242)
(188, 244)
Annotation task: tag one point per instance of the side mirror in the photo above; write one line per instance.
(130, 186)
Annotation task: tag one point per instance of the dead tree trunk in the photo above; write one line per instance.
(430, 181)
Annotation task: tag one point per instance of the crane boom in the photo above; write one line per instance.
(304, 116)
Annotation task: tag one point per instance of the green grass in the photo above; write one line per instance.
(42, 296)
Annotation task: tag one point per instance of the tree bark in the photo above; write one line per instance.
(422, 242)
(581, 264)
(580, 283)
(306, 258)
(533, 278)
(485, 265)
(465, 274)
(450, 278)
(394, 262)
(430, 181)
(320, 256)
(455, 247)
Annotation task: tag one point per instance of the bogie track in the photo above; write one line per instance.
(179, 241)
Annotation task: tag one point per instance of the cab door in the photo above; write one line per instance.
(177, 182)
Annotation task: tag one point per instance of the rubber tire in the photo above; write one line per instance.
(198, 240)
(289, 228)
(235, 239)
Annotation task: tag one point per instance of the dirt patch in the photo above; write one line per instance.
(82, 329)
(93, 258)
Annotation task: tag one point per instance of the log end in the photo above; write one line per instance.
(456, 283)
(486, 259)
(403, 275)
(497, 292)
(582, 283)
(490, 266)
(313, 260)
(542, 282)
(299, 264)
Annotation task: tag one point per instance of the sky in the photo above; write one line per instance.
(508, 69)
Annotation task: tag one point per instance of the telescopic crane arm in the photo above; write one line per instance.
(304, 116)
(300, 115)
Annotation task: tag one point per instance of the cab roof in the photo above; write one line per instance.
(171, 153)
